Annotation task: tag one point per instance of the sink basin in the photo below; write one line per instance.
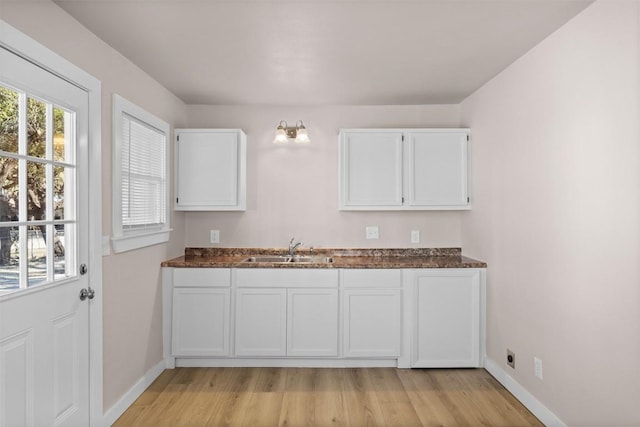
(268, 258)
(316, 259)
(312, 259)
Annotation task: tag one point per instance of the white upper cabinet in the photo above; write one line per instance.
(437, 168)
(403, 169)
(210, 170)
(371, 169)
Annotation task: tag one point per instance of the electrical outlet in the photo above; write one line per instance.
(537, 368)
(415, 236)
(511, 359)
(215, 236)
(372, 232)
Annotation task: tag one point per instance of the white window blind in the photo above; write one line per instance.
(140, 189)
(143, 175)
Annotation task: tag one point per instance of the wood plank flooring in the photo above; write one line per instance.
(297, 397)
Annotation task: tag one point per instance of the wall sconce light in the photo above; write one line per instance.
(298, 133)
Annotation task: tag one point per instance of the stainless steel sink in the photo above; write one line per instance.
(268, 258)
(301, 259)
(317, 259)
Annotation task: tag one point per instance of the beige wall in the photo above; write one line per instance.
(293, 190)
(131, 281)
(556, 162)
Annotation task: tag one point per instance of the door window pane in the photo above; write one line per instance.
(9, 189)
(61, 133)
(62, 234)
(36, 191)
(37, 255)
(58, 193)
(36, 128)
(9, 262)
(9, 113)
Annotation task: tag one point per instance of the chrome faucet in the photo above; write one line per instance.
(293, 246)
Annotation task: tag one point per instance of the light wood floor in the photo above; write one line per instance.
(292, 397)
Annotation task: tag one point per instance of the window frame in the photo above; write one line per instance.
(124, 239)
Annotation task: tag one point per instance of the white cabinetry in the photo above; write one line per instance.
(261, 322)
(312, 322)
(448, 327)
(200, 318)
(430, 317)
(286, 312)
(372, 313)
(210, 169)
(403, 169)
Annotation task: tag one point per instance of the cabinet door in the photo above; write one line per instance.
(372, 322)
(370, 170)
(200, 322)
(210, 169)
(447, 319)
(437, 168)
(312, 325)
(261, 321)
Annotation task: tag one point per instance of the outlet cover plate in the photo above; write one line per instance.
(372, 232)
(415, 236)
(214, 236)
(537, 368)
(511, 359)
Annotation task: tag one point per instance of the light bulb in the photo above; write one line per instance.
(302, 137)
(281, 136)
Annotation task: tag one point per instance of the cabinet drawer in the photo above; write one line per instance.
(287, 278)
(201, 277)
(371, 278)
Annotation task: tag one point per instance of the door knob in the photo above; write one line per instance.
(87, 293)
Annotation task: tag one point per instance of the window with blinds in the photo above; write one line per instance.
(140, 177)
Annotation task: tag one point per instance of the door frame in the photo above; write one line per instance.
(29, 49)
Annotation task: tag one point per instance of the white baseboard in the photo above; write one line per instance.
(543, 413)
(112, 415)
(284, 363)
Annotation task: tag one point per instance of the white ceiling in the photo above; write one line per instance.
(315, 52)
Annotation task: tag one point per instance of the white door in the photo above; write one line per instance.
(44, 325)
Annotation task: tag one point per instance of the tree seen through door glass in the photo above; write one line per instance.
(37, 231)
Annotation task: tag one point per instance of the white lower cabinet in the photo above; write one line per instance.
(372, 301)
(421, 318)
(448, 321)
(289, 320)
(312, 322)
(200, 322)
(201, 312)
(261, 322)
(372, 322)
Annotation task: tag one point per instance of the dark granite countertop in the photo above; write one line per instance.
(342, 258)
